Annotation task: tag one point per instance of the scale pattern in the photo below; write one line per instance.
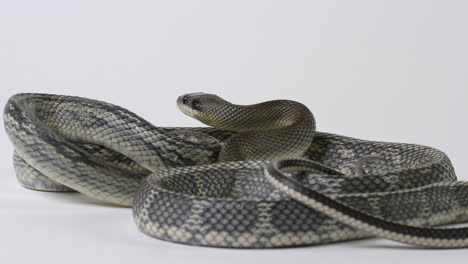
(181, 193)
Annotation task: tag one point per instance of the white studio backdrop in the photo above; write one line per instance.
(380, 70)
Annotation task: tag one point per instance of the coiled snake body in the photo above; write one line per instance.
(262, 178)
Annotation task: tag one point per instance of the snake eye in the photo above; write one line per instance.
(185, 100)
(196, 105)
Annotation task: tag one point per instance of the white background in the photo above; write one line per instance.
(382, 70)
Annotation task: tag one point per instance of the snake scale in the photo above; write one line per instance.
(261, 177)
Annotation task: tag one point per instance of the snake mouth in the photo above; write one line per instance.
(187, 103)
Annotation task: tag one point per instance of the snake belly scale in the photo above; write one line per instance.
(261, 177)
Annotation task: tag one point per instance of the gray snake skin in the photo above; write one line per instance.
(262, 178)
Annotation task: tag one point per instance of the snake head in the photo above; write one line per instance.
(189, 103)
(197, 105)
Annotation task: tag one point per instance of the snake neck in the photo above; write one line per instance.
(269, 130)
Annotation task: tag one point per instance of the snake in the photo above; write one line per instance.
(257, 176)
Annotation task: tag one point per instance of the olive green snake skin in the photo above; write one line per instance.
(262, 178)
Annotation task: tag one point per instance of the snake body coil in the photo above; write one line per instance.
(217, 187)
